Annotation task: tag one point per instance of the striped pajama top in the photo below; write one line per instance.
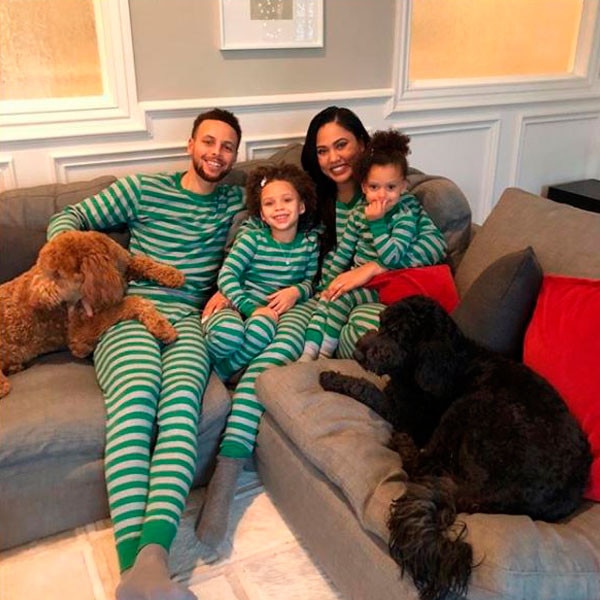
(332, 266)
(167, 223)
(257, 265)
(404, 237)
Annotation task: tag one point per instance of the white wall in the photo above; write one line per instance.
(486, 138)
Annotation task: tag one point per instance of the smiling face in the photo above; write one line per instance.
(213, 150)
(384, 183)
(337, 149)
(280, 209)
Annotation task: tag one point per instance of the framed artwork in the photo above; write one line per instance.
(259, 24)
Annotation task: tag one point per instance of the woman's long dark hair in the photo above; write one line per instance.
(326, 188)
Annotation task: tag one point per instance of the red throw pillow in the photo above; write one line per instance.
(435, 282)
(562, 344)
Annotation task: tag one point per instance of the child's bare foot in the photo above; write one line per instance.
(149, 578)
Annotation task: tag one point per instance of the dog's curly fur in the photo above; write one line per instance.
(74, 293)
(477, 433)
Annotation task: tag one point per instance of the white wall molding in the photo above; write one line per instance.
(527, 120)
(116, 111)
(169, 108)
(581, 83)
(8, 177)
(264, 147)
(70, 166)
(479, 133)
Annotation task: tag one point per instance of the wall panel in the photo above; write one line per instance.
(555, 148)
(8, 179)
(485, 144)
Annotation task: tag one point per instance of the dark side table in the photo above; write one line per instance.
(584, 194)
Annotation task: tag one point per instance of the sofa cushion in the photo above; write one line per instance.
(497, 307)
(337, 435)
(564, 239)
(24, 216)
(448, 208)
(55, 409)
(563, 345)
(19, 248)
(33, 206)
(517, 557)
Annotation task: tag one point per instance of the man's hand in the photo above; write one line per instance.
(282, 300)
(215, 303)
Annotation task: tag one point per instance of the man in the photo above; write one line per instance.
(181, 219)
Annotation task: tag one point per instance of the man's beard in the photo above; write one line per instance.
(209, 178)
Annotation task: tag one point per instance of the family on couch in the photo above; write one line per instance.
(183, 220)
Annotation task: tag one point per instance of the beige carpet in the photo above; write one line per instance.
(266, 561)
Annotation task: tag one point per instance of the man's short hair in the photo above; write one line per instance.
(219, 114)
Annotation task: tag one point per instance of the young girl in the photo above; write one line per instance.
(268, 269)
(392, 229)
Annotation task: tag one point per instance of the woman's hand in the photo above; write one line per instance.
(352, 279)
(266, 312)
(215, 303)
(282, 300)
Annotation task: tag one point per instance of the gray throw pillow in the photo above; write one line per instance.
(497, 307)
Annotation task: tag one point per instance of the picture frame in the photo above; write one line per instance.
(269, 24)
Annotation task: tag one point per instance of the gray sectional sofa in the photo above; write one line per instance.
(52, 422)
(324, 460)
(322, 457)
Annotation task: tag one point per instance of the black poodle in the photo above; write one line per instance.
(477, 433)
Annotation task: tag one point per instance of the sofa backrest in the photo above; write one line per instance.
(24, 216)
(25, 212)
(566, 240)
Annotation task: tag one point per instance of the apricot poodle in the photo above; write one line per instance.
(72, 295)
(477, 433)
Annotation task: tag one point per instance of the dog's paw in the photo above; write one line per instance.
(165, 332)
(80, 349)
(173, 278)
(330, 380)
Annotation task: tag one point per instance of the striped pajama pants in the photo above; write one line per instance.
(233, 342)
(150, 390)
(330, 317)
(242, 426)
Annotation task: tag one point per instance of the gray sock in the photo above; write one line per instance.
(328, 347)
(310, 352)
(211, 526)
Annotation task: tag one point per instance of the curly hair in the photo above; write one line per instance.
(301, 181)
(385, 148)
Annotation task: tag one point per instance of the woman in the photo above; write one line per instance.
(335, 139)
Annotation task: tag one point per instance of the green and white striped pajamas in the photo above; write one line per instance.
(151, 389)
(256, 266)
(242, 426)
(405, 237)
